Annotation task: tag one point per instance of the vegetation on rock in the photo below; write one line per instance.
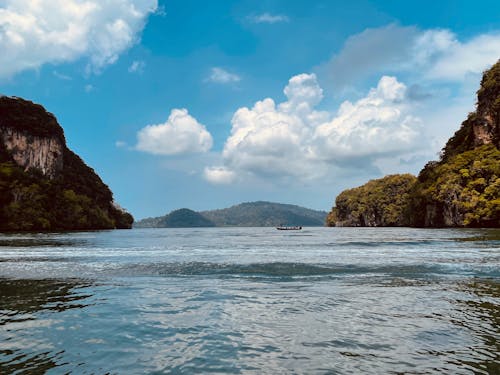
(462, 189)
(75, 199)
(380, 202)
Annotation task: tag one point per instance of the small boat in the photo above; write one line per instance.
(284, 227)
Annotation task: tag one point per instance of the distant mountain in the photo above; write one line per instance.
(251, 214)
(183, 218)
(265, 214)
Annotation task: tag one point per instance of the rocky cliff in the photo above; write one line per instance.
(462, 189)
(378, 203)
(43, 184)
(31, 136)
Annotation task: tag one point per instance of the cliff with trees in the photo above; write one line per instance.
(43, 184)
(462, 189)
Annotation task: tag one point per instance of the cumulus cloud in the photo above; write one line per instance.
(219, 75)
(36, 32)
(268, 18)
(433, 55)
(294, 140)
(374, 126)
(180, 134)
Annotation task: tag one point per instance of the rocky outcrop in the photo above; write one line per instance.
(42, 153)
(462, 189)
(378, 203)
(43, 184)
(482, 126)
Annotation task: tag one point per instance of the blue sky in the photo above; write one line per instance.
(208, 104)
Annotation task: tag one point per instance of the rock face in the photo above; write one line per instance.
(482, 126)
(462, 189)
(28, 151)
(43, 184)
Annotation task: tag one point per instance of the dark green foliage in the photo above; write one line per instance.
(460, 190)
(185, 218)
(381, 202)
(28, 117)
(29, 202)
(462, 140)
(464, 191)
(76, 199)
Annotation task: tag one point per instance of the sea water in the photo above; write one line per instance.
(251, 301)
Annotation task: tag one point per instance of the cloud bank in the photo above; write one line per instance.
(294, 140)
(37, 32)
(432, 55)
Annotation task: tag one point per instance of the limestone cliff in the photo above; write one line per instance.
(42, 153)
(483, 125)
(462, 189)
(43, 184)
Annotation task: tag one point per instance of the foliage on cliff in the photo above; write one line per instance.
(464, 191)
(76, 199)
(483, 125)
(29, 118)
(381, 202)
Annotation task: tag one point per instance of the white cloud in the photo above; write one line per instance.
(89, 88)
(457, 59)
(293, 140)
(219, 75)
(219, 175)
(431, 55)
(374, 126)
(180, 134)
(37, 32)
(268, 18)
(137, 67)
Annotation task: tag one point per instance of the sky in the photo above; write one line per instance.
(207, 104)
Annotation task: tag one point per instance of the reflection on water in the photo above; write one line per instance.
(25, 307)
(481, 316)
(236, 301)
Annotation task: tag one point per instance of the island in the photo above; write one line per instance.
(248, 214)
(44, 186)
(461, 189)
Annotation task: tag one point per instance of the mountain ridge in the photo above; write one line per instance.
(248, 214)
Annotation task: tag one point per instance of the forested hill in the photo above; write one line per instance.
(43, 184)
(251, 214)
(462, 189)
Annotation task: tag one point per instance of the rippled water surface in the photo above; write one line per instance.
(251, 300)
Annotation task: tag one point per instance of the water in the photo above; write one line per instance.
(251, 301)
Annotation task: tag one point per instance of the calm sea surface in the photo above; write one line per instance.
(251, 300)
